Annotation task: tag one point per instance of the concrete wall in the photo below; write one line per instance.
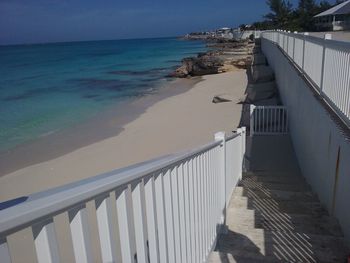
(321, 146)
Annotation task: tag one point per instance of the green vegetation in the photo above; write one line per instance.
(283, 16)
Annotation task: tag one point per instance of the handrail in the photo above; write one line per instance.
(323, 62)
(48, 205)
(154, 211)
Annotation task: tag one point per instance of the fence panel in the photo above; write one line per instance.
(268, 120)
(166, 210)
(336, 84)
(325, 62)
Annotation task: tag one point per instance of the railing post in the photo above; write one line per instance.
(305, 34)
(243, 142)
(252, 108)
(220, 137)
(326, 37)
(295, 32)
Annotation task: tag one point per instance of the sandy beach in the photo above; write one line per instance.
(178, 122)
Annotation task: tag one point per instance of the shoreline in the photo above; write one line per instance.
(106, 124)
(176, 123)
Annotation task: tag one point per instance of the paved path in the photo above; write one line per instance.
(273, 216)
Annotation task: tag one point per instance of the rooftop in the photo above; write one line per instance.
(341, 9)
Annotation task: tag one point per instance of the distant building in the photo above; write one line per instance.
(335, 18)
(224, 32)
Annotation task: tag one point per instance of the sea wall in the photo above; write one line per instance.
(321, 144)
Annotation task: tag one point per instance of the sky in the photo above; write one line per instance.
(43, 21)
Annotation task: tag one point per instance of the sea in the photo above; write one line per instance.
(45, 88)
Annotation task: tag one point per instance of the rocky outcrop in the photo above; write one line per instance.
(225, 55)
(203, 64)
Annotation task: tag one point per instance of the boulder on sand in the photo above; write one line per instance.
(221, 98)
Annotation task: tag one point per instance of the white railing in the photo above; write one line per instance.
(268, 120)
(165, 210)
(325, 62)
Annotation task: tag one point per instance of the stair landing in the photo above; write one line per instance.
(273, 215)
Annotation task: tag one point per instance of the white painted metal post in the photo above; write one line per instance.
(326, 37)
(46, 242)
(80, 234)
(104, 223)
(4, 252)
(295, 32)
(305, 34)
(252, 117)
(151, 211)
(140, 222)
(220, 136)
(126, 224)
(244, 132)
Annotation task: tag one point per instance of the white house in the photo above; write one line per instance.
(335, 18)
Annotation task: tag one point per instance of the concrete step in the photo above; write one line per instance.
(219, 257)
(269, 206)
(306, 196)
(239, 218)
(267, 186)
(275, 246)
(284, 179)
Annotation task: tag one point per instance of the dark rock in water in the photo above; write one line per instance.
(218, 99)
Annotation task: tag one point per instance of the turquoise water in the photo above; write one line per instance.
(48, 87)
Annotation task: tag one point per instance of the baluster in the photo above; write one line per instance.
(79, 227)
(126, 224)
(187, 190)
(182, 212)
(46, 242)
(162, 226)
(169, 215)
(152, 224)
(176, 218)
(4, 252)
(138, 201)
(104, 207)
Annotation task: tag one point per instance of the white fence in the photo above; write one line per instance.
(321, 144)
(325, 62)
(165, 210)
(268, 120)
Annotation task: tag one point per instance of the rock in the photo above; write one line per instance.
(226, 55)
(180, 72)
(204, 64)
(220, 99)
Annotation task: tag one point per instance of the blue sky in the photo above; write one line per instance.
(41, 21)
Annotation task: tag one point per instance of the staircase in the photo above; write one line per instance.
(273, 216)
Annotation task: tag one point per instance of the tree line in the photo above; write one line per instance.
(282, 15)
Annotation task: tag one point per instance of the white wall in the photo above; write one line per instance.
(316, 137)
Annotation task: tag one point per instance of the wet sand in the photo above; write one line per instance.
(176, 118)
(104, 125)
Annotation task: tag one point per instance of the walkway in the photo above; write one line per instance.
(273, 216)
